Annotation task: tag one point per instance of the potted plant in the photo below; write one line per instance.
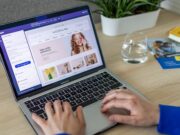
(125, 16)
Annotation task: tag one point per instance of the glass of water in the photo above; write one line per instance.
(134, 48)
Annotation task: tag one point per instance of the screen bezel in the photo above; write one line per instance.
(56, 84)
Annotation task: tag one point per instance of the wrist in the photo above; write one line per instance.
(157, 115)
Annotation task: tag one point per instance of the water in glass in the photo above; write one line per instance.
(134, 51)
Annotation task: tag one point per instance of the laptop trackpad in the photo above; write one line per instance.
(95, 120)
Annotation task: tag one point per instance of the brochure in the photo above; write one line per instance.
(166, 52)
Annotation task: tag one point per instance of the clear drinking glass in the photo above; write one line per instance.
(134, 48)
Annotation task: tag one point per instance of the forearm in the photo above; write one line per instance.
(169, 122)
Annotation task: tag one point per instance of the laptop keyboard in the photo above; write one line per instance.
(81, 93)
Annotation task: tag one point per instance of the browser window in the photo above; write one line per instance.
(51, 50)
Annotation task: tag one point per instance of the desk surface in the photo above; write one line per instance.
(160, 86)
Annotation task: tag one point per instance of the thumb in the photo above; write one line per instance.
(124, 119)
(80, 115)
(40, 121)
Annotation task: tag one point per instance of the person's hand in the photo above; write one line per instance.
(84, 42)
(142, 112)
(61, 119)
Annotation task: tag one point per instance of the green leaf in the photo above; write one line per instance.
(122, 8)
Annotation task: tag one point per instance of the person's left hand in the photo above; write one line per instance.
(61, 119)
(141, 111)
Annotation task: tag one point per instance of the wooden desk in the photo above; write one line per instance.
(160, 86)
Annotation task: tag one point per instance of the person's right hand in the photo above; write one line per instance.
(61, 119)
(142, 112)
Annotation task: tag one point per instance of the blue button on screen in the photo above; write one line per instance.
(22, 64)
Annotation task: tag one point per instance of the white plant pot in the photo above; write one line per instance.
(124, 25)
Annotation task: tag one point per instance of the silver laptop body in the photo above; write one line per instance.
(46, 71)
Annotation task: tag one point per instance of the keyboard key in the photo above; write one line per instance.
(89, 82)
(99, 97)
(89, 91)
(34, 109)
(74, 107)
(42, 100)
(62, 98)
(61, 93)
(73, 104)
(39, 112)
(73, 93)
(106, 84)
(102, 91)
(100, 87)
(84, 84)
(116, 85)
(79, 91)
(27, 102)
(90, 86)
(95, 89)
(96, 93)
(84, 98)
(66, 90)
(42, 106)
(105, 75)
(72, 98)
(66, 100)
(84, 94)
(78, 96)
(55, 96)
(90, 96)
(78, 86)
(100, 78)
(95, 80)
(30, 105)
(49, 98)
(36, 103)
(67, 95)
(78, 101)
(73, 88)
(106, 89)
(85, 88)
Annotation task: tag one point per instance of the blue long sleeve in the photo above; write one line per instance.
(62, 134)
(169, 122)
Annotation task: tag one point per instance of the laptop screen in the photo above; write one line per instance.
(49, 50)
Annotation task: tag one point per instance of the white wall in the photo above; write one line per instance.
(173, 5)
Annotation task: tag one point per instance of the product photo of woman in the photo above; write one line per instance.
(79, 44)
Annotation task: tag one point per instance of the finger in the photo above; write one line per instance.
(49, 110)
(57, 107)
(124, 119)
(119, 90)
(113, 91)
(117, 94)
(40, 121)
(80, 115)
(67, 108)
(116, 103)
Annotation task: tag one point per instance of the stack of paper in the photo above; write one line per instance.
(174, 34)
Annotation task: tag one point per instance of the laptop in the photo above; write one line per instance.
(58, 56)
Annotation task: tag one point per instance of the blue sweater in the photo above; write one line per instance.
(169, 122)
